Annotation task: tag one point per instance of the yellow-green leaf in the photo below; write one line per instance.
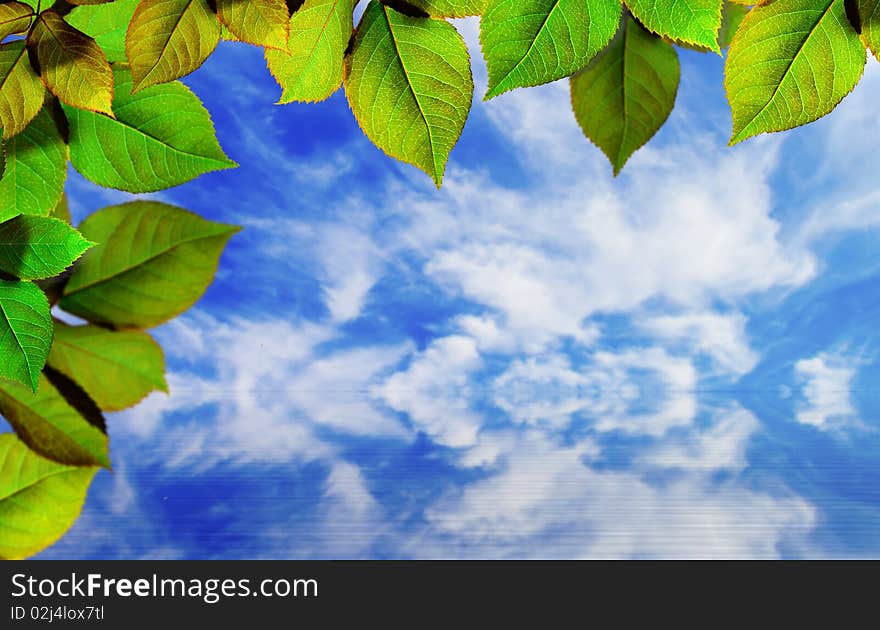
(257, 22)
(116, 368)
(791, 62)
(47, 423)
(530, 42)
(869, 12)
(692, 21)
(449, 8)
(21, 91)
(312, 69)
(152, 263)
(168, 39)
(15, 17)
(39, 499)
(408, 81)
(36, 167)
(72, 64)
(626, 93)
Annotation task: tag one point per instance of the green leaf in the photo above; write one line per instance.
(25, 332)
(732, 15)
(869, 12)
(168, 39)
(36, 167)
(530, 42)
(257, 22)
(152, 263)
(319, 33)
(34, 248)
(449, 8)
(624, 96)
(47, 423)
(162, 136)
(408, 81)
(107, 24)
(21, 91)
(791, 62)
(72, 65)
(116, 368)
(39, 499)
(61, 210)
(15, 17)
(692, 21)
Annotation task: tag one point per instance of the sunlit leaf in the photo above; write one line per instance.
(624, 96)
(33, 248)
(106, 23)
(39, 499)
(312, 69)
(162, 136)
(530, 42)
(15, 17)
(692, 21)
(36, 167)
(21, 91)
(25, 332)
(257, 22)
(152, 263)
(168, 39)
(408, 81)
(449, 8)
(869, 13)
(791, 62)
(116, 368)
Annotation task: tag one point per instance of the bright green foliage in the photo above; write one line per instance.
(72, 65)
(116, 368)
(623, 97)
(449, 8)
(15, 17)
(152, 263)
(61, 210)
(257, 22)
(792, 61)
(47, 423)
(36, 167)
(21, 91)
(312, 69)
(408, 81)
(168, 39)
(869, 12)
(39, 499)
(25, 332)
(692, 21)
(107, 24)
(34, 248)
(530, 42)
(162, 136)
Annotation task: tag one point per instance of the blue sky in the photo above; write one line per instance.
(539, 360)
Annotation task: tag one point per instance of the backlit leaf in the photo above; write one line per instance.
(15, 17)
(116, 368)
(168, 39)
(624, 96)
(152, 263)
(869, 12)
(408, 81)
(162, 136)
(449, 8)
(33, 248)
(47, 423)
(319, 33)
(21, 91)
(257, 22)
(530, 42)
(106, 24)
(36, 167)
(72, 65)
(39, 499)
(692, 21)
(791, 62)
(25, 332)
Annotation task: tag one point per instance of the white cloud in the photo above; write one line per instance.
(827, 384)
